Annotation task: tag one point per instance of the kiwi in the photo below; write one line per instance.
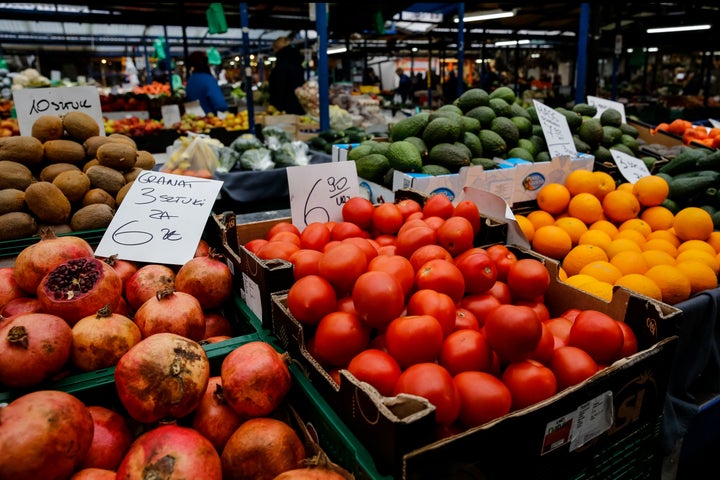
(64, 151)
(106, 178)
(49, 173)
(47, 127)
(14, 175)
(16, 225)
(92, 217)
(98, 195)
(145, 160)
(48, 203)
(117, 155)
(11, 200)
(80, 125)
(73, 183)
(22, 149)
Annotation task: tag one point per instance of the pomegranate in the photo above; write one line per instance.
(9, 288)
(100, 340)
(312, 473)
(35, 261)
(45, 434)
(203, 248)
(111, 439)
(146, 282)
(261, 449)
(172, 312)
(214, 418)
(93, 474)
(207, 278)
(255, 378)
(171, 452)
(217, 324)
(163, 376)
(79, 287)
(33, 348)
(21, 305)
(123, 308)
(124, 268)
(215, 339)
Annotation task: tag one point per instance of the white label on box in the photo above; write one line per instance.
(170, 115)
(251, 295)
(633, 169)
(31, 103)
(500, 182)
(603, 104)
(556, 130)
(557, 433)
(592, 419)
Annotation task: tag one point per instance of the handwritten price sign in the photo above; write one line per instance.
(633, 169)
(318, 192)
(603, 104)
(31, 103)
(556, 130)
(161, 219)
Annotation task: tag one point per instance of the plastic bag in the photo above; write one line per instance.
(275, 137)
(309, 96)
(195, 155)
(227, 159)
(257, 159)
(246, 141)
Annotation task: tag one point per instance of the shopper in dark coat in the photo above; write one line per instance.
(202, 86)
(286, 76)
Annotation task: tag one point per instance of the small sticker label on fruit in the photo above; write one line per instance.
(592, 419)
(631, 168)
(603, 104)
(556, 130)
(31, 103)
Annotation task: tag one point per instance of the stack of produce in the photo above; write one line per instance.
(65, 175)
(689, 132)
(277, 149)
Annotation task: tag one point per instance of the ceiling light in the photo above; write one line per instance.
(332, 50)
(480, 16)
(509, 43)
(685, 28)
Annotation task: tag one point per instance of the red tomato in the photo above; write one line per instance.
(501, 291)
(434, 222)
(387, 250)
(513, 331)
(398, 267)
(540, 308)
(437, 304)
(598, 334)
(282, 226)
(365, 245)
(529, 382)
(470, 251)
(545, 347)
(310, 299)
(571, 313)
(571, 365)
(438, 205)
(254, 245)
(433, 382)
(478, 270)
(470, 211)
(376, 367)
(483, 397)
(441, 276)
(342, 265)
(277, 249)
(358, 210)
(378, 342)
(527, 279)
(305, 262)
(503, 258)
(465, 350)
(378, 298)
(456, 235)
(387, 218)
(285, 236)
(343, 230)
(330, 245)
(464, 318)
(345, 304)
(480, 305)
(408, 206)
(385, 239)
(426, 253)
(560, 328)
(410, 223)
(339, 337)
(414, 339)
(315, 236)
(413, 238)
(630, 344)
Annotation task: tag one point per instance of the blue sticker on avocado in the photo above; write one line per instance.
(533, 181)
(445, 191)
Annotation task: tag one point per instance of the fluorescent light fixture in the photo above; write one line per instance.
(332, 50)
(684, 28)
(480, 16)
(652, 49)
(509, 43)
(629, 50)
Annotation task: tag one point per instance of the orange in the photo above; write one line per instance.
(636, 224)
(586, 207)
(595, 237)
(581, 181)
(696, 245)
(641, 284)
(651, 190)
(552, 241)
(658, 217)
(605, 226)
(701, 276)
(553, 198)
(526, 226)
(540, 218)
(625, 187)
(605, 184)
(660, 244)
(598, 288)
(573, 226)
(579, 279)
(602, 270)
(580, 256)
(619, 206)
(665, 235)
(562, 274)
(658, 257)
(710, 260)
(714, 241)
(633, 235)
(673, 284)
(629, 262)
(621, 245)
(693, 223)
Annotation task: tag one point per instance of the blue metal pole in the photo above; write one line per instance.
(323, 83)
(248, 70)
(461, 48)
(168, 60)
(581, 64)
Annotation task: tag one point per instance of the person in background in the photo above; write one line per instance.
(286, 76)
(404, 85)
(370, 77)
(202, 86)
(450, 87)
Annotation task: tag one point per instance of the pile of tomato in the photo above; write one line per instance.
(398, 295)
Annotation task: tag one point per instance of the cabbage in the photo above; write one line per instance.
(245, 142)
(257, 159)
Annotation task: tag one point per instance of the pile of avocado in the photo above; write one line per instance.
(479, 127)
(324, 141)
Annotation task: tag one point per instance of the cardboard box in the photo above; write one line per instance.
(542, 441)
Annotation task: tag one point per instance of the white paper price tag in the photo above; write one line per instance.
(603, 104)
(170, 115)
(556, 130)
(31, 103)
(194, 108)
(631, 168)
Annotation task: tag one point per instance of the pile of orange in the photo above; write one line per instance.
(606, 235)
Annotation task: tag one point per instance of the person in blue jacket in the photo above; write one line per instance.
(202, 86)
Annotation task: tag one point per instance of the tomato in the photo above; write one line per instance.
(598, 334)
(470, 211)
(345, 304)
(282, 226)
(365, 245)
(442, 276)
(464, 318)
(285, 236)
(433, 382)
(387, 250)
(571, 365)
(545, 347)
(571, 314)
(438, 205)
(410, 223)
(503, 258)
(540, 308)
(342, 265)
(343, 230)
(465, 350)
(483, 397)
(315, 236)
(513, 331)
(630, 344)
(456, 235)
(468, 252)
(339, 337)
(278, 249)
(434, 222)
(385, 239)
(413, 339)
(413, 238)
(426, 253)
(501, 291)
(310, 298)
(478, 270)
(437, 304)
(480, 305)
(408, 206)
(330, 245)
(527, 279)
(378, 298)
(379, 342)
(560, 327)
(254, 245)
(398, 267)
(305, 262)
(529, 382)
(376, 367)
(358, 210)
(387, 218)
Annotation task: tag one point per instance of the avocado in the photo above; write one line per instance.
(630, 142)
(505, 93)
(409, 127)
(486, 163)
(470, 124)
(492, 143)
(432, 169)
(449, 156)
(543, 156)
(484, 114)
(507, 129)
(528, 145)
(517, 110)
(500, 107)
(611, 135)
(591, 132)
(585, 110)
(629, 130)
(473, 142)
(372, 167)
(441, 130)
(359, 151)
(524, 126)
(518, 152)
(611, 117)
(472, 98)
(404, 156)
(420, 145)
(450, 108)
(574, 120)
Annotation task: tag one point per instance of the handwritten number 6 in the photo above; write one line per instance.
(320, 210)
(136, 237)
